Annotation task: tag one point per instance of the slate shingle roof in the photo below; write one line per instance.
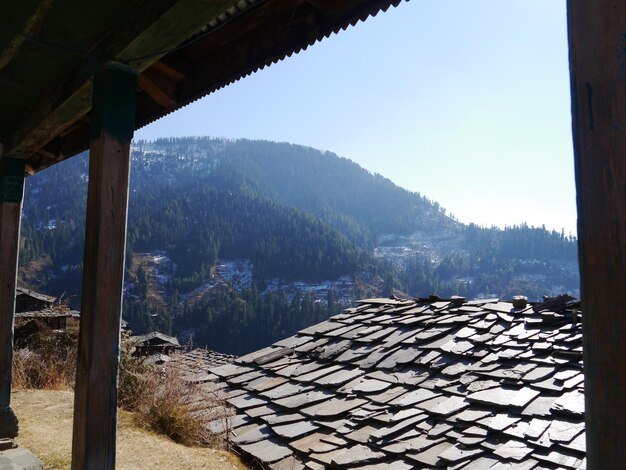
(395, 384)
(194, 364)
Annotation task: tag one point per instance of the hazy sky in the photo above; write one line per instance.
(466, 102)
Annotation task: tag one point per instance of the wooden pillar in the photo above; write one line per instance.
(597, 44)
(95, 402)
(11, 193)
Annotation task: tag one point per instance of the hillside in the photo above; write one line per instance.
(276, 235)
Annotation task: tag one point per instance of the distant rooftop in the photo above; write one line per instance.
(416, 384)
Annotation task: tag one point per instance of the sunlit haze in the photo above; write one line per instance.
(466, 102)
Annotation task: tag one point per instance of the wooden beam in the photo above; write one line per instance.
(155, 92)
(169, 72)
(95, 402)
(11, 193)
(597, 45)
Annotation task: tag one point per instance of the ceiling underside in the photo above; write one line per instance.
(182, 49)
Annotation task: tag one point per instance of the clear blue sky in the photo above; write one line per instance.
(466, 102)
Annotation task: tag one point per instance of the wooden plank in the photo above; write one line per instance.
(95, 403)
(168, 71)
(11, 193)
(597, 45)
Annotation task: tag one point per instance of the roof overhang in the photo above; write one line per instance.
(182, 50)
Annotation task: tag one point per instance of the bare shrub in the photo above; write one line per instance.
(47, 360)
(161, 398)
(181, 410)
(137, 378)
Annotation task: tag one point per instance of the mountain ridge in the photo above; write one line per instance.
(300, 219)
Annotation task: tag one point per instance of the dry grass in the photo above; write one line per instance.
(166, 404)
(162, 401)
(46, 428)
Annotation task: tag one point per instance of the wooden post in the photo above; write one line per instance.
(95, 402)
(11, 193)
(597, 44)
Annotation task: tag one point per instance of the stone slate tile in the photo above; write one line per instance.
(288, 463)
(517, 430)
(540, 406)
(338, 406)
(356, 351)
(578, 444)
(500, 421)
(342, 331)
(357, 455)
(262, 410)
(376, 336)
(537, 427)
(456, 454)
(375, 357)
(285, 390)
(564, 431)
(396, 465)
(252, 433)
(430, 456)
(242, 402)
(302, 399)
(282, 418)
(298, 368)
(475, 431)
(384, 433)
(312, 345)
(321, 328)
(266, 383)
(558, 458)
(315, 443)
(339, 377)
(404, 355)
(440, 429)
(388, 395)
(472, 415)
(293, 341)
(361, 434)
(528, 464)
(443, 405)
(367, 385)
(304, 375)
(470, 441)
(415, 444)
(267, 451)
(481, 463)
(570, 403)
(230, 370)
(294, 430)
(503, 397)
(413, 397)
(333, 349)
(513, 450)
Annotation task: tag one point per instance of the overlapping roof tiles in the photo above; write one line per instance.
(430, 383)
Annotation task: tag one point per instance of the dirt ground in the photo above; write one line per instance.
(46, 429)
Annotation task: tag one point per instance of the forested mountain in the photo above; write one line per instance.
(265, 237)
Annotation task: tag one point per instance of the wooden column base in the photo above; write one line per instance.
(9, 426)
